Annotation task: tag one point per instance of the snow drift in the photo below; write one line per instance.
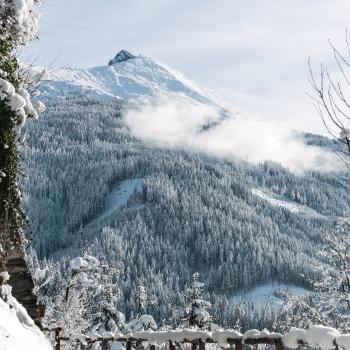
(17, 329)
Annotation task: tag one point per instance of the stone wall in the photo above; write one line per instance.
(22, 284)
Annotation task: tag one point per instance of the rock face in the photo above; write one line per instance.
(121, 56)
(22, 284)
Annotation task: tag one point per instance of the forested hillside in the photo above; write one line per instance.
(161, 214)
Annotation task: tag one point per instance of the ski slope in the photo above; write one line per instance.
(293, 207)
(120, 195)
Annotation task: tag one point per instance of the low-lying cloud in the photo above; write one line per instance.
(178, 125)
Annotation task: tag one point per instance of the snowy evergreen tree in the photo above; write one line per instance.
(195, 313)
(141, 299)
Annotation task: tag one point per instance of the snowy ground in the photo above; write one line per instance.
(290, 205)
(263, 295)
(120, 195)
(17, 330)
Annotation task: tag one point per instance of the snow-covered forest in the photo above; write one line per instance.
(189, 213)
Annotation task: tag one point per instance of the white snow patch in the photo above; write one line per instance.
(321, 336)
(344, 341)
(291, 206)
(5, 276)
(291, 339)
(121, 194)
(267, 294)
(221, 335)
(17, 329)
(77, 263)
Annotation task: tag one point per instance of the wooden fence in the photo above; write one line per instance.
(200, 344)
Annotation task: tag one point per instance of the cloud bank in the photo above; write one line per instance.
(175, 125)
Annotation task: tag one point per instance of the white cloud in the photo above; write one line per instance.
(180, 126)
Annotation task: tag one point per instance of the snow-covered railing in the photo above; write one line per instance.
(321, 337)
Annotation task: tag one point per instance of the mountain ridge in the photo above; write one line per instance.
(137, 79)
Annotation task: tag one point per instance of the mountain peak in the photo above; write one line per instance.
(121, 56)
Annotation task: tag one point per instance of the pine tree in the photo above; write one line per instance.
(141, 299)
(195, 313)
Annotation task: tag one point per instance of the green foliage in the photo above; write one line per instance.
(12, 217)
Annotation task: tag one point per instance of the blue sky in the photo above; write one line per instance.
(251, 52)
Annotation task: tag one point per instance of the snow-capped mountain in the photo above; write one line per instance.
(134, 78)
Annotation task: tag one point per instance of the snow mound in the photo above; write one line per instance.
(290, 340)
(321, 336)
(316, 336)
(268, 294)
(17, 329)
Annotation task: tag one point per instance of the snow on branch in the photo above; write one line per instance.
(18, 21)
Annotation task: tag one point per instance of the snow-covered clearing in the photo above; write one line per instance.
(291, 206)
(120, 195)
(267, 294)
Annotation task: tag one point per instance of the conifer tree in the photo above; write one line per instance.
(195, 313)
